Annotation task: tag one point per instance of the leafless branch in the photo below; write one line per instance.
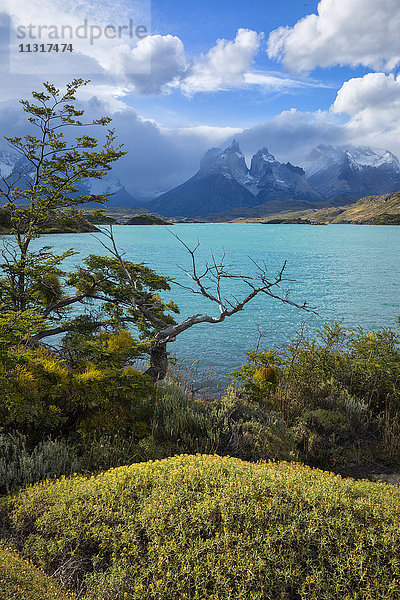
(207, 282)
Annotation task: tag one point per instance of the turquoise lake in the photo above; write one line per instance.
(348, 272)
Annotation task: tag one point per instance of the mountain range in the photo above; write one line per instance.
(12, 165)
(352, 171)
(225, 187)
(329, 176)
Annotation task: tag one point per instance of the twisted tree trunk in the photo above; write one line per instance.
(158, 361)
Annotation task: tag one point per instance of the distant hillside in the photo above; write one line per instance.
(269, 210)
(67, 222)
(374, 210)
(371, 210)
(146, 220)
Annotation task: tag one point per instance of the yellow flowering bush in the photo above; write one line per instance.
(206, 527)
(21, 580)
(41, 394)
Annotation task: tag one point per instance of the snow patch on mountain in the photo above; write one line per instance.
(353, 171)
(363, 156)
(107, 185)
(8, 161)
(229, 162)
(358, 157)
(12, 163)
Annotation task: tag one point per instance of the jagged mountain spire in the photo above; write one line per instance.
(229, 162)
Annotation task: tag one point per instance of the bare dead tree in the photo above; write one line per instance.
(208, 283)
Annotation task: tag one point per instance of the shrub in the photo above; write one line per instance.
(206, 527)
(260, 374)
(21, 465)
(181, 424)
(42, 394)
(332, 392)
(229, 425)
(21, 580)
(100, 451)
(321, 433)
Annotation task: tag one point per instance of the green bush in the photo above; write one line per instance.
(22, 464)
(42, 394)
(21, 580)
(181, 424)
(329, 402)
(336, 392)
(230, 425)
(321, 432)
(206, 527)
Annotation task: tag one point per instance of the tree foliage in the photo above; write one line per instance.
(46, 182)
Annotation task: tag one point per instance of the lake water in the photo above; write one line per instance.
(348, 272)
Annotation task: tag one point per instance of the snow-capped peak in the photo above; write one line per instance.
(265, 155)
(363, 156)
(353, 171)
(358, 157)
(229, 162)
(234, 148)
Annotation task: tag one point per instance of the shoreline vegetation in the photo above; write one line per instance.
(196, 460)
(371, 210)
(118, 481)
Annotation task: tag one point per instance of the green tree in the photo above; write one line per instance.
(36, 291)
(46, 183)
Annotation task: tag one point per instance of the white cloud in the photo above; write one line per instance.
(344, 32)
(274, 82)
(83, 24)
(373, 92)
(373, 104)
(291, 134)
(166, 55)
(200, 134)
(154, 65)
(225, 65)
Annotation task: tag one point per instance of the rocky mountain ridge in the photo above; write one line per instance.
(227, 187)
(352, 171)
(225, 182)
(331, 175)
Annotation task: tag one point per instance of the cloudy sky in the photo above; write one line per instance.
(283, 74)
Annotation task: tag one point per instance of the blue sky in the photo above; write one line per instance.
(286, 74)
(198, 25)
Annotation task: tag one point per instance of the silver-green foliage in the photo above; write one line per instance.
(21, 466)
